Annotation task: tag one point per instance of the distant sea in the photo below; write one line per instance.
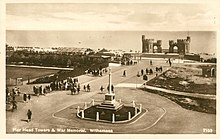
(201, 41)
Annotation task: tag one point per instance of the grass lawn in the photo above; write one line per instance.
(22, 72)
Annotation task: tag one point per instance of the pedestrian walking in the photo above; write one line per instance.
(142, 71)
(151, 71)
(19, 92)
(138, 75)
(40, 90)
(44, 91)
(71, 88)
(13, 97)
(34, 89)
(74, 89)
(84, 87)
(14, 106)
(146, 70)
(102, 89)
(112, 87)
(25, 97)
(151, 63)
(145, 77)
(29, 97)
(29, 114)
(170, 62)
(161, 69)
(124, 73)
(88, 88)
(78, 88)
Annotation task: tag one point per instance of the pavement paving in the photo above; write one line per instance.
(164, 116)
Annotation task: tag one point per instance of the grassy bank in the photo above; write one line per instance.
(185, 79)
(190, 103)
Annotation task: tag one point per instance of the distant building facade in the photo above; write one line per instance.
(209, 71)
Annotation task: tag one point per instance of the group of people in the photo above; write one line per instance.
(40, 90)
(129, 62)
(59, 85)
(147, 71)
(26, 97)
(96, 72)
(75, 88)
(16, 91)
(159, 69)
(87, 88)
(71, 84)
(10, 98)
(63, 84)
(102, 88)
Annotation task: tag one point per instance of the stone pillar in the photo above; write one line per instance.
(97, 116)
(133, 103)
(83, 114)
(113, 118)
(135, 110)
(129, 115)
(93, 102)
(78, 109)
(140, 107)
(119, 100)
(85, 106)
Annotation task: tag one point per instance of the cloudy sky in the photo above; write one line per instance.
(107, 16)
(109, 25)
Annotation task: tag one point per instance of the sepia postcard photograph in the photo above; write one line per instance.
(130, 69)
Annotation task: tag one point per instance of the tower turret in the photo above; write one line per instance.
(171, 42)
(188, 39)
(144, 49)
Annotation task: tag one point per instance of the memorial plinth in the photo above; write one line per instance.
(110, 103)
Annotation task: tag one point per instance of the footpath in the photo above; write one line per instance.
(195, 95)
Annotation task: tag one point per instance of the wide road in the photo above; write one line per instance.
(164, 115)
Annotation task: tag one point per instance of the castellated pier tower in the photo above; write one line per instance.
(151, 46)
(182, 46)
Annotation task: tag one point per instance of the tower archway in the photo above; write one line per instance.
(155, 49)
(212, 72)
(175, 49)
